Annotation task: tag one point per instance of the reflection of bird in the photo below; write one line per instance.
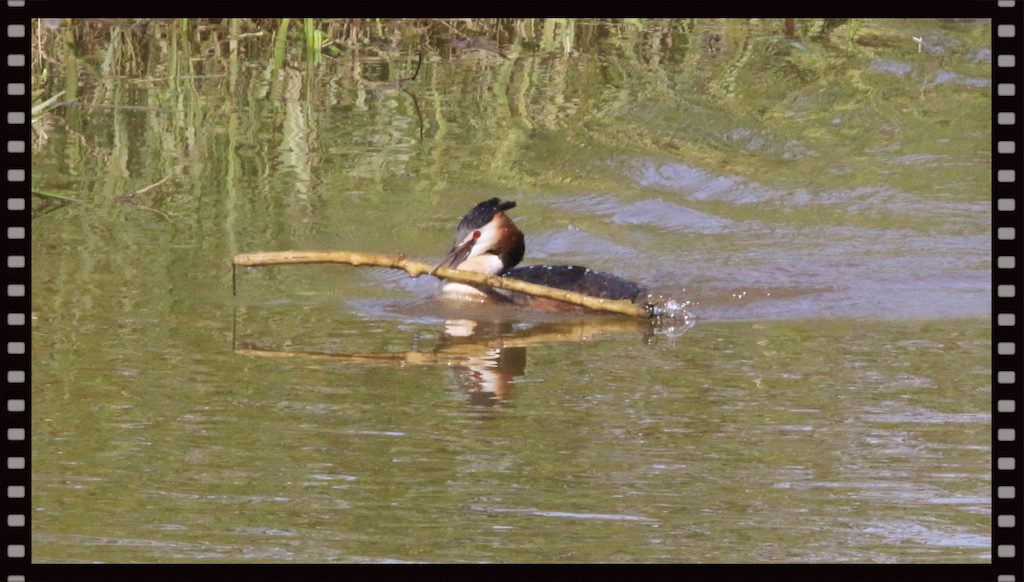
(487, 241)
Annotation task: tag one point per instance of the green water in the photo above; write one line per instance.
(819, 204)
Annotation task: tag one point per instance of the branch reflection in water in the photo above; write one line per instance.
(486, 356)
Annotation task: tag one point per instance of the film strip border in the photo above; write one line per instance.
(1007, 175)
(1007, 550)
(17, 283)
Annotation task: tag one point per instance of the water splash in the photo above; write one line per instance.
(671, 317)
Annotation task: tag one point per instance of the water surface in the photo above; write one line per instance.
(820, 206)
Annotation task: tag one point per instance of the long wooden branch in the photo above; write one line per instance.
(416, 268)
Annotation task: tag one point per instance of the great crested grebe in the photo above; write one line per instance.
(487, 241)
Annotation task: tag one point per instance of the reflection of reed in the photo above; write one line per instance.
(534, 80)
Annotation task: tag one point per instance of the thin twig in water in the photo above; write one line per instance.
(156, 211)
(416, 105)
(130, 198)
(419, 63)
(155, 184)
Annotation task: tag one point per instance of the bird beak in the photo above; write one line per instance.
(455, 256)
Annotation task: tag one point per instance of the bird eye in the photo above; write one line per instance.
(476, 234)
